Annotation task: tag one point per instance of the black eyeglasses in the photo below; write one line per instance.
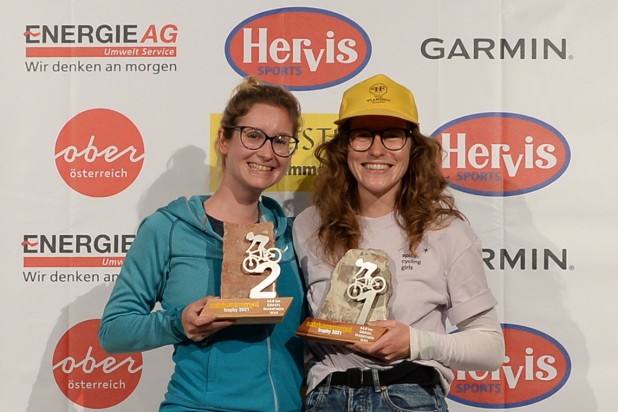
(253, 138)
(393, 138)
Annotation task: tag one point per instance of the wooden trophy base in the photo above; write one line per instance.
(339, 333)
(248, 311)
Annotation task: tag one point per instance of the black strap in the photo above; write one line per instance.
(404, 372)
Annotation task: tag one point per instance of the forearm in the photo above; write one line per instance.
(478, 345)
(132, 332)
(128, 323)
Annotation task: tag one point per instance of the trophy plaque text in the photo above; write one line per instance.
(249, 276)
(359, 292)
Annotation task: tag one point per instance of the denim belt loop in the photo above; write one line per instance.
(376, 380)
(326, 386)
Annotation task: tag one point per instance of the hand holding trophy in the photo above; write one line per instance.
(249, 276)
(359, 292)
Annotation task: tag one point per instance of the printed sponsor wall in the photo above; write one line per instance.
(108, 109)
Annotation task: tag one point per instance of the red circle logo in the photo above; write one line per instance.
(99, 152)
(89, 376)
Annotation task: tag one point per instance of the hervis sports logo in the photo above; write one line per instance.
(300, 48)
(535, 367)
(502, 154)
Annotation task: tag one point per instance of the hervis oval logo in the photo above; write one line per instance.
(535, 367)
(299, 48)
(502, 154)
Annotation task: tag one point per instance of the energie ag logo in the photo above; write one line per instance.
(298, 47)
(536, 366)
(502, 154)
(104, 40)
(99, 152)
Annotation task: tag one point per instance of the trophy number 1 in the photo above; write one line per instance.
(364, 286)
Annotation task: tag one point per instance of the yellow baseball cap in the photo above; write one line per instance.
(378, 95)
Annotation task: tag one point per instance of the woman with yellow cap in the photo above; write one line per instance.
(380, 186)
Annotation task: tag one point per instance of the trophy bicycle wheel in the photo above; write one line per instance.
(354, 290)
(250, 263)
(379, 284)
(274, 254)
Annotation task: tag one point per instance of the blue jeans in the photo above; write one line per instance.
(398, 397)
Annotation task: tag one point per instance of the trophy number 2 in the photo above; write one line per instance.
(259, 258)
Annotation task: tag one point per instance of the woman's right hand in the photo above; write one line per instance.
(198, 328)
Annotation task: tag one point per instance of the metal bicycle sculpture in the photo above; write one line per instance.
(258, 260)
(365, 287)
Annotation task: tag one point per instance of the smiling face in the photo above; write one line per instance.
(250, 172)
(378, 170)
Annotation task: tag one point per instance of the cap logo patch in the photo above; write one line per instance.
(378, 90)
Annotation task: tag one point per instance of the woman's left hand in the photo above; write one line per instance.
(197, 327)
(394, 344)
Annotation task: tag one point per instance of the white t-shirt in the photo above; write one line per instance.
(445, 280)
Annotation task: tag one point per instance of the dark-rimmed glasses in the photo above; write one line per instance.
(393, 138)
(253, 138)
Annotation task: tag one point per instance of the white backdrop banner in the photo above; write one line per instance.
(109, 108)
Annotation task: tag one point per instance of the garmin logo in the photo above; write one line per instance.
(525, 259)
(485, 48)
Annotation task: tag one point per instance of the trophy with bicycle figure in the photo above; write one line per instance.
(359, 292)
(249, 275)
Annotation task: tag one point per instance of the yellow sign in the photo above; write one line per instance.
(316, 128)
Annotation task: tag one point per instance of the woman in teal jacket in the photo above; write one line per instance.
(176, 261)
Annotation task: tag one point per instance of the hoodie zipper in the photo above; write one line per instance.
(270, 376)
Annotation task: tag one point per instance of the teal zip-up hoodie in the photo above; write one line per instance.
(176, 259)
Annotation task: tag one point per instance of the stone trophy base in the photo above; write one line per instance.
(359, 292)
(338, 333)
(247, 310)
(249, 273)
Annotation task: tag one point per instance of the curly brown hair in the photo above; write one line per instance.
(422, 202)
